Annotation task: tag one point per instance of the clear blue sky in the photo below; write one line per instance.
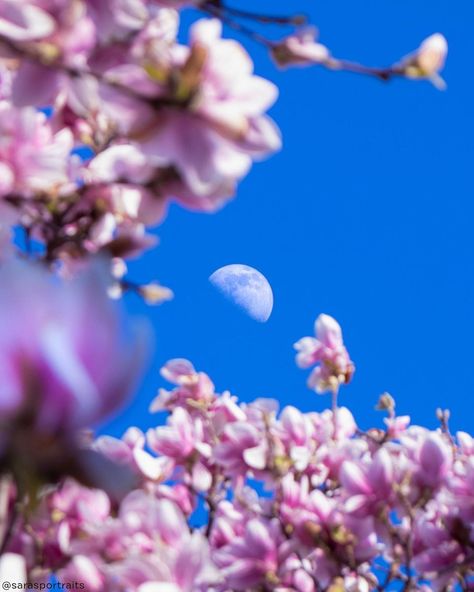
(366, 214)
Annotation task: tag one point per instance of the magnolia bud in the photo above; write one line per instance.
(155, 294)
(432, 54)
(428, 60)
(386, 403)
(300, 49)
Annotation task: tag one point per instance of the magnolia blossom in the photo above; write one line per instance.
(327, 350)
(66, 360)
(212, 142)
(33, 158)
(25, 21)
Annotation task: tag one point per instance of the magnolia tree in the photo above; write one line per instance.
(105, 117)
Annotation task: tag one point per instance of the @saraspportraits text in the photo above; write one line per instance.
(43, 586)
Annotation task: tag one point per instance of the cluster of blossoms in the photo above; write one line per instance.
(105, 117)
(238, 497)
(134, 119)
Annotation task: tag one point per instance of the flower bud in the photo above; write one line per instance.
(300, 49)
(155, 294)
(428, 60)
(386, 403)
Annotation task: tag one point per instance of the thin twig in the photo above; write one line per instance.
(259, 17)
(250, 33)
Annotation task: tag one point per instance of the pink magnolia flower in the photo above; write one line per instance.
(229, 522)
(118, 179)
(397, 426)
(117, 19)
(194, 389)
(25, 21)
(154, 42)
(79, 505)
(182, 438)
(84, 569)
(334, 366)
(368, 488)
(66, 362)
(251, 558)
(33, 159)
(434, 460)
(242, 447)
(436, 551)
(329, 427)
(297, 434)
(212, 142)
(63, 30)
(130, 451)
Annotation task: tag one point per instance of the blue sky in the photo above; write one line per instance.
(366, 214)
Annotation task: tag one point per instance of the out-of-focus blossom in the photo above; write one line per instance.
(213, 140)
(251, 558)
(130, 451)
(65, 358)
(300, 49)
(434, 461)
(33, 158)
(25, 21)
(327, 350)
(368, 487)
(397, 425)
(117, 176)
(117, 19)
(428, 60)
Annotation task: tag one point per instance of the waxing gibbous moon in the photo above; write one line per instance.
(247, 288)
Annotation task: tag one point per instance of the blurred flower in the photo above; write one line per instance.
(24, 21)
(221, 126)
(66, 359)
(33, 158)
(253, 556)
(300, 49)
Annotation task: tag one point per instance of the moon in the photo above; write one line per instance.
(247, 288)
